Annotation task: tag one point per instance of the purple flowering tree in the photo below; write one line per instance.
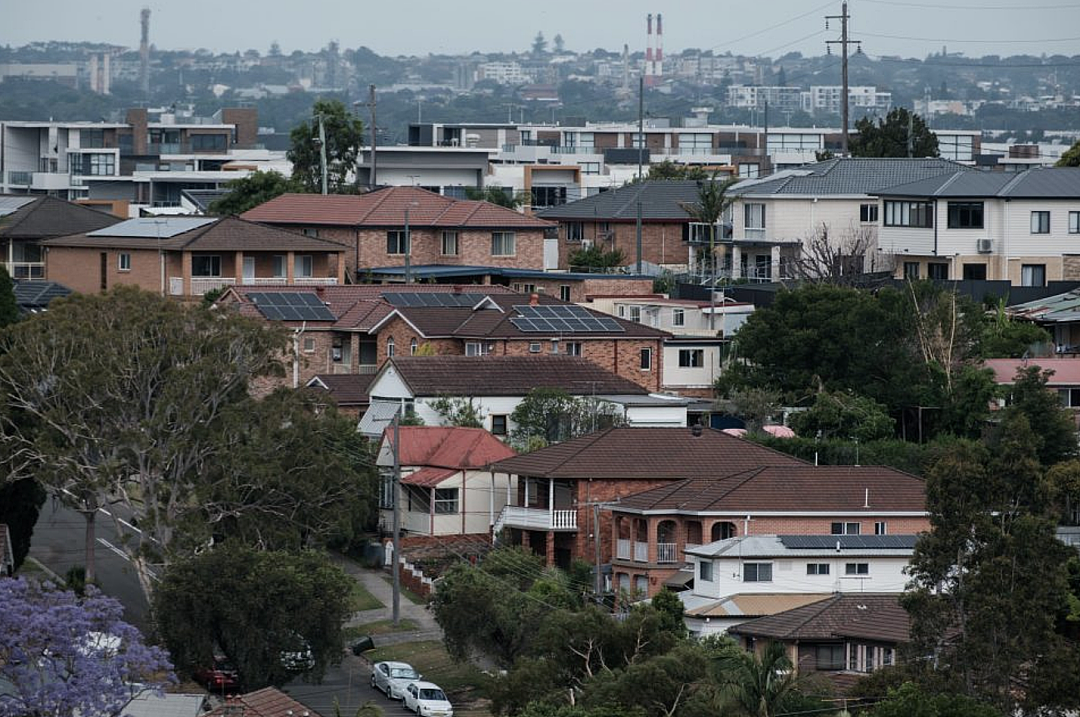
(70, 657)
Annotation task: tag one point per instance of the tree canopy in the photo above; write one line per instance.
(493, 193)
(248, 192)
(344, 133)
(1070, 157)
(889, 137)
(9, 309)
(551, 415)
(253, 606)
(68, 657)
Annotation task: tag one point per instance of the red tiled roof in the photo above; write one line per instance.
(428, 477)
(871, 616)
(267, 702)
(646, 454)
(386, 208)
(1066, 370)
(791, 487)
(450, 447)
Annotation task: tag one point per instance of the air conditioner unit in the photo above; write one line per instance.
(984, 246)
(586, 243)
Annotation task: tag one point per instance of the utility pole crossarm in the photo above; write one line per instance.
(843, 42)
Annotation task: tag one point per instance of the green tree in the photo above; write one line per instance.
(712, 202)
(843, 414)
(251, 191)
(670, 608)
(1070, 157)
(909, 700)
(1004, 337)
(668, 170)
(596, 257)
(539, 44)
(458, 411)
(551, 415)
(889, 137)
(344, 134)
(253, 606)
(493, 193)
(20, 505)
(1052, 425)
(762, 686)
(9, 308)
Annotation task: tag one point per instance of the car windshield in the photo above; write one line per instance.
(432, 695)
(405, 673)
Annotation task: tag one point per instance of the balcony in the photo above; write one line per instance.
(641, 552)
(622, 549)
(667, 553)
(283, 281)
(536, 519)
(22, 179)
(25, 269)
(202, 284)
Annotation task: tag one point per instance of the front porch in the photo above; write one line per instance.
(200, 272)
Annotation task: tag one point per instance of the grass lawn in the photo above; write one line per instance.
(380, 627)
(409, 594)
(432, 661)
(362, 599)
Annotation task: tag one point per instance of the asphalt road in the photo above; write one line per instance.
(59, 542)
(350, 684)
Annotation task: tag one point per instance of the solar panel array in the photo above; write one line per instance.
(291, 306)
(10, 205)
(561, 318)
(432, 299)
(152, 227)
(848, 542)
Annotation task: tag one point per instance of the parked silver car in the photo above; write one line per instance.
(392, 677)
(427, 700)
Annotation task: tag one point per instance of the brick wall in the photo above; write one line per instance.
(474, 249)
(80, 268)
(621, 356)
(661, 243)
(581, 289)
(403, 335)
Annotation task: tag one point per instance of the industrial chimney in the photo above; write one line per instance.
(658, 63)
(144, 53)
(648, 52)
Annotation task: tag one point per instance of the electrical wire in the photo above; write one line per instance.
(953, 39)
(772, 27)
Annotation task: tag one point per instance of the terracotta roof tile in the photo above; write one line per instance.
(267, 702)
(450, 447)
(647, 454)
(386, 208)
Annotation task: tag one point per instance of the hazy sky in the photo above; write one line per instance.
(765, 27)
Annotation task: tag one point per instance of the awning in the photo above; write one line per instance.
(429, 477)
(680, 580)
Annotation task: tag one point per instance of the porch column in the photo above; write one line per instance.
(736, 262)
(431, 512)
(550, 548)
(491, 501)
(509, 490)
(461, 503)
(551, 502)
(238, 268)
(340, 267)
(185, 273)
(290, 268)
(775, 261)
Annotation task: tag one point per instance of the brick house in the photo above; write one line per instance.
(187, 256)
(558, 487)
(372, 228)
(609, 220)
(652, 529)
(368, 324)
(27, 220)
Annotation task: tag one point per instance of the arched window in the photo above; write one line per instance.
(390, 347)
(723, 531)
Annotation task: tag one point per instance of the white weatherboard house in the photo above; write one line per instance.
(1021, 227)
(741, 578)
(497, 384)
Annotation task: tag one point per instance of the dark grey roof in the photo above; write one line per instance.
(33, 296)
(853, 175)
(46, 216)
(660, 201)
(1038, 183)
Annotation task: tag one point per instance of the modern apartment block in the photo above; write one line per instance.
(145, 160)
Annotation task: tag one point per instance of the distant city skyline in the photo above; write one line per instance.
(773, 28)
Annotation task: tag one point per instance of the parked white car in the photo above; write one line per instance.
(393, 677)
(427, 700)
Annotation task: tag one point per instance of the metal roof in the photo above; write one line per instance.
(849, 176)
(153, 227)
(660, 201)
(1037, 183)
(36, 295)
(10, 204)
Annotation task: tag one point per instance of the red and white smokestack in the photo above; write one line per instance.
(648, 52)
(658, 67)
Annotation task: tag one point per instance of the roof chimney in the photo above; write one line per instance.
(534, 299)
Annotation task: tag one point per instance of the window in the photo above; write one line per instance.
(590, 167)
(206, 265)
(638, 140)
(534, 347)
(1074, 222)
(881, 528)
(386, 491)
(1040, 222)
(634, 313)
(754, 216)
(974, 272)
(95, 165)
(705, 571)
(937, 271)
(678, 317)
(829, 657)
(757, 572)
(413, 345)
(646, 359)
(390, 347)
(749, 170)
(502, 243)
(449, 243)
(691, 358)
(309, 345)
(92, 138)
(279, 266)
(1033, 275)
(857, 569)
(474, 348)
(817, 568)
(310, 232)
(207, 142)
(911, 270)
(446, 501)
(396, 242)
(887, 656)
(909, 214)
(548, 196)
(868, 213)
(498, 425)
(304, 266)
(124, 262)
(564, 292)
(573, 348)
(845, 529)
(554, 346)
(525, 288)
(965, 215)
(575, 231)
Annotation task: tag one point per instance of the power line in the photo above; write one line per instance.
(953, 39)
(771, 27)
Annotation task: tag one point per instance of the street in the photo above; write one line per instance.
(350, 684)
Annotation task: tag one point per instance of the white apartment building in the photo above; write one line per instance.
(503, 72)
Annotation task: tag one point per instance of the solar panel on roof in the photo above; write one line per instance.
(431, 299)
(847, 542)
(291, 306)
(152, 227)
(561, 318)
(9, 205)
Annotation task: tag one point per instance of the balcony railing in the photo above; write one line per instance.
(757, 234)
(25, 270)
(315, 280)
(20, 178)
(538, 518)
(667, 553)
(622, 549)
(641, 552)
(202, 284)
(282, 281)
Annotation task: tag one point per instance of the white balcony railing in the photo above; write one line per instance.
(538, 518)
(315, 280)
(622, 549)
(25, 269)
(202, 284)
(283, 281)
(667, 553)
(641, 552)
